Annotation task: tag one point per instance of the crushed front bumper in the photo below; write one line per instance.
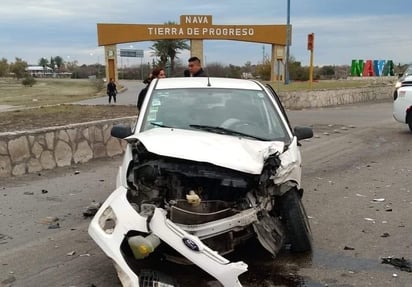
(188, 245)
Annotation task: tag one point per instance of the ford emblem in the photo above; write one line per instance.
(190, 244)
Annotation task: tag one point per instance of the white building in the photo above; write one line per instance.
(40, 71)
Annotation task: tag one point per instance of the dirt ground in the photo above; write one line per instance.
(34, 118)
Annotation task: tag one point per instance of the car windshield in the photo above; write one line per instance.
(237, 112)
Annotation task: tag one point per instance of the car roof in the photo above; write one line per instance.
(203, 82)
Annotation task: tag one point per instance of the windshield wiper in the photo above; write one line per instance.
(225, 131)
(159, 125)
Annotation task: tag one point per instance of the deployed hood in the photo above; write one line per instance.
(231, 152)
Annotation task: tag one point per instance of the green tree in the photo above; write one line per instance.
(327, 72)
(43, 62)
(4, 67)
(296, 71)
(58, 61)
(263, 70)
(52, 63)
(18, 68)
(170, 48)
(234, 71)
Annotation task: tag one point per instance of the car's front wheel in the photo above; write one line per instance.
(410, 123)
(296, 221)
(409, 117)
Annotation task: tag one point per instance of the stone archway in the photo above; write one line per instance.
(196, 28)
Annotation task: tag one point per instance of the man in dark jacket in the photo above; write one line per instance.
(195, 68)
(111, 90)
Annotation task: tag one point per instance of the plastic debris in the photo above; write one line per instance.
(44, 191)
(92, 209)
(369, 219)
(348, 248)
(385, 234)
(76, 172)
(54, 226)
(378, 200)
(400, 263)
(28, 193)
(71, 253)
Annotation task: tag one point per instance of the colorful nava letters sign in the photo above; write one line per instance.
(369, 68)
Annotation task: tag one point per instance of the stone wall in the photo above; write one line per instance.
(325, 98)
(36, 150)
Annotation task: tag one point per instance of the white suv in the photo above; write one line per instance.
(211, 163)
(402, 104)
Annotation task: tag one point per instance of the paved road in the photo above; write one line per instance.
(359, 154)
(127, 97)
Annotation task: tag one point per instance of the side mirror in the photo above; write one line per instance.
(121, 132)
(303, 133)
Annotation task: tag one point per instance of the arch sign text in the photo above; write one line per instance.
(196, 28)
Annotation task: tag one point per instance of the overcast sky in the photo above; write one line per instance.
(344, 29)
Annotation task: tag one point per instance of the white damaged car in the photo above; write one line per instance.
(211, 163)
(402, 100)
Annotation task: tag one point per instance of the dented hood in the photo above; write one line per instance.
(231, 152)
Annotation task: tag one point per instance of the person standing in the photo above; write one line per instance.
(111, 91)
(156, 73)
(195, 67)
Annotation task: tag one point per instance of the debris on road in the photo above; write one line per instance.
(54, 226)
(91, 210)
(49, 220)
(71, 253)
(369, 219)
(44, 191)
(378, 200)
(28, 193)
(385, 234)
(400, 263)
(348, 248)
(76, 172)
(9, 280)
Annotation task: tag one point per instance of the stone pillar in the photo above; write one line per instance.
(110, 55)
(196, 49)
(278, 63)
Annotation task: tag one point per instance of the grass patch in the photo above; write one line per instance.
(35, 118)
(46, 92)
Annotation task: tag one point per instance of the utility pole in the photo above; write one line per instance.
(289, 33)
(263, 54)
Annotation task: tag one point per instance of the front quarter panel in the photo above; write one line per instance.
(291, 165)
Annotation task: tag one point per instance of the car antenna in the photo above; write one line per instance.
(208, 77)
